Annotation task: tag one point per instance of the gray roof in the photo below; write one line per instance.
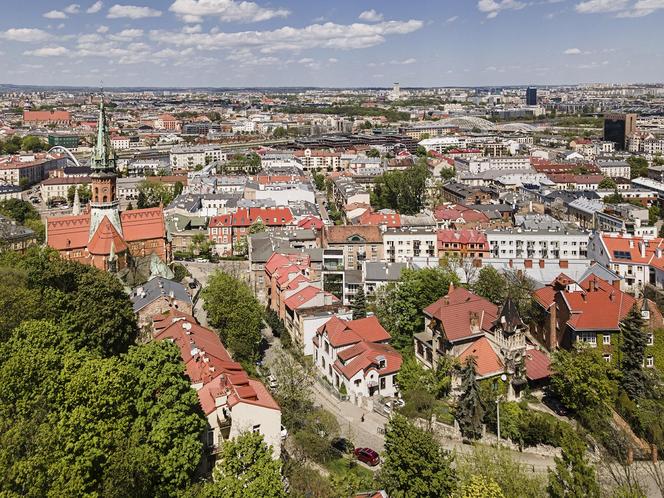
(10, 230)
(387, 272)
(601, 272)
(154, 289)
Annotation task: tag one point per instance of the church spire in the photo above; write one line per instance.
(103, 155)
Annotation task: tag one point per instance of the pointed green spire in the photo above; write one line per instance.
(103, 155)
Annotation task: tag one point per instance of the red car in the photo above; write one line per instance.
(368, 456)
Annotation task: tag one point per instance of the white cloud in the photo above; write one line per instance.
(371, 16)
(572, 51)
(55, 14)
(410, 60)
(95, 7)
(194, 28)
(333, 60)
(328, 35)
(48, 52)
(643, 8)
(601, 6)
(493, 7)
(102, 29)
(193, 11)
(132, 12)
(126, 34)
(452, 19)
(74, 8)
(26, 35)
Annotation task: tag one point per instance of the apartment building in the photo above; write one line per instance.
(403, 244)
(358, 244)
(318, 160)
(538, 244)
(200, 155)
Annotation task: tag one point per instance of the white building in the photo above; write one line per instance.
(403, 244)
(614, 169)
(190, 157)
(504, 163)
(356, 354)
(538, 244)
(119, 142)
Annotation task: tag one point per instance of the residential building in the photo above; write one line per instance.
(15, 237)
(358, 243)
(45, 118)
(58, 188)
(159, 296)
(28, 169)
(589, 311)
(356, 354)
(538, 244)
(403, 244)
(200, 155)
(318, 160)
(462, 244)
(232, 402)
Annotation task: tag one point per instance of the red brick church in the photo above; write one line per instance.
(103, 236)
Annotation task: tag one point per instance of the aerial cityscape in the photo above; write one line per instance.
(332, 249)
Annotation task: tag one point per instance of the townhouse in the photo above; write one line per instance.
(463, 244)
(408, 243)
(159, 296)
(232, 401)
(355, 357)
(357, 243)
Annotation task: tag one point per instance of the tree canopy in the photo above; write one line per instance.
(235, 313)
(399, 305)
(632, 348)
(573, 475)
(638, 166)
(153, 193)
(404, 191)
(470, 409)
(414, 462)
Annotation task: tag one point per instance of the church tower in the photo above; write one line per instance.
(103, 201)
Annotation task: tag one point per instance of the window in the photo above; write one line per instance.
(589, 338)
(256, 428)
(650, 362)
(606, 339)
(382, 382)
(650, 339)
(209, 438)
(607, 358)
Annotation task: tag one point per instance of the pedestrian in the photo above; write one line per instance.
(362, 418)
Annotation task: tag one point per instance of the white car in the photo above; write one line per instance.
(271, 382)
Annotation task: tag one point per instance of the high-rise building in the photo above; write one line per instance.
(618, 128)
(531, 96)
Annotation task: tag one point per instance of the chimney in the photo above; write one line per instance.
(552, 336)
(527, 263)
(510, 264)
(474, 322)
(631, 243)
(592, 287)
(541, 263)
(642, 248)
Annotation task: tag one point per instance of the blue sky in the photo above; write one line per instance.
(330, 43)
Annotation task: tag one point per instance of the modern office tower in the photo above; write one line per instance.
(531, 96)
(618, 127)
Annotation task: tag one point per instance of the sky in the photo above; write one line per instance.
(330, 43)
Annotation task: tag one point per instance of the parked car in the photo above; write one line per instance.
(368, 456)
(271, 382)
(342, 445)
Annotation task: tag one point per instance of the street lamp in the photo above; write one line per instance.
(503, 378)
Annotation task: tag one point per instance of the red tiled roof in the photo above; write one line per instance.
(457, 211)
(280, 216)
(488, 362)
(46, 116)
(105, 238)
(380, 219)
(621, 244)
(311, 222)
(344, 332)
(340, 234)
(538, 364)
(68, 232)
(143, 224)
(462, 236)
(365, 356)
(455, 312)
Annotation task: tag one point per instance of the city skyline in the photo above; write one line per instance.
(225, 43)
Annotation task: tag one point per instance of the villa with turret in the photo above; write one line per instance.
(102, 236)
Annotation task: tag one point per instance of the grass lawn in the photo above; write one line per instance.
(342, 466)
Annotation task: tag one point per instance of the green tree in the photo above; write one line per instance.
(359, 305)
(638, 166)
(414, 463)
(373, 153)
(420, 151)
(479, 487)
(280, 132)
(403, 191)
(177, 188)
(580, 378)
(257, 227)
(573, 476)
(516, 480)
(491, 285)
(399, 306)
(632, 348)
(153, 193)
(319, 181)
(294, 384)
(235, 313)
(607, 183)
(653, 214)
(31, 143)
(245, 469)
(18, 210)
(447, 173)
(470, 409)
